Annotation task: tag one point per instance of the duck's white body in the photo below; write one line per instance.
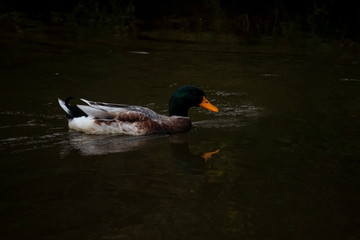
(90, 126)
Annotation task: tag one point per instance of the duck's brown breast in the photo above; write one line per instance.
(176, 124)
(146, 125)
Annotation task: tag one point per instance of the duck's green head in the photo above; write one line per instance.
(187, 97)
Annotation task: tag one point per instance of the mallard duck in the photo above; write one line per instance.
(112, 118)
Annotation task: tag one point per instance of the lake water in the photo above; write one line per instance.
(286, 161)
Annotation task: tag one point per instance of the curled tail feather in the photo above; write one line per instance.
(71, 111)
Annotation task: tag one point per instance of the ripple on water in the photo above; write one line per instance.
(234, 104)
(24, 132)
(349, 80)
(234, 111)
(227, 93)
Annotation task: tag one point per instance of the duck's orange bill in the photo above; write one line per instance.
(207, 105)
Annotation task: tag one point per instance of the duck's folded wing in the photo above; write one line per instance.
(113, 110)
(95, 112)
(103, 104)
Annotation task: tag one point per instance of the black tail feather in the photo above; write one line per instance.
(75, 111)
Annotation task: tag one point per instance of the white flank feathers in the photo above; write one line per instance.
(89, 126)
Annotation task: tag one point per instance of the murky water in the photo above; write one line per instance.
(288, 165)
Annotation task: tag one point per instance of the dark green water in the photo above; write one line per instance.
(288, 134)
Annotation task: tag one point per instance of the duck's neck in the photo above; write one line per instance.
(177, 108)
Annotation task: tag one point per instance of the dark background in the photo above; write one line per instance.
(275, 18)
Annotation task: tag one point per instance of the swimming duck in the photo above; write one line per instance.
(112, 118)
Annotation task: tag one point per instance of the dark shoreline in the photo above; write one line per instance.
(255, 20)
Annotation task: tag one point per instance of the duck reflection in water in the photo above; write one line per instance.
(90, 145)
(185, 159)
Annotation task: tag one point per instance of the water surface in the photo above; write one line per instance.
(288, 164)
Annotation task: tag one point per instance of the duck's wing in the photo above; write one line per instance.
(95, 112)
(104, 110)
